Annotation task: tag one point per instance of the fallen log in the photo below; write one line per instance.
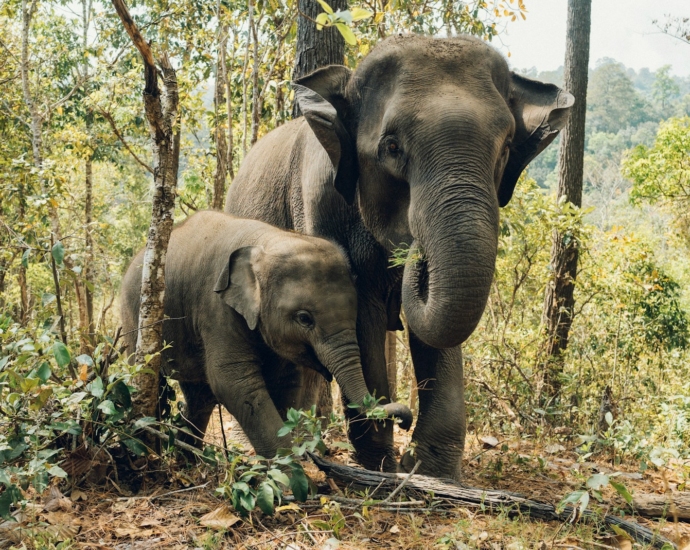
(487, 500)
(674, 506)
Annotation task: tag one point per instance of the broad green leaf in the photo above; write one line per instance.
(347, 33)
(56, 471)
(41, 400)
(58, 253)
(62, 354)
(11, 495)
(135, 446)
(325, 6)
(358, 14)
(47, 298)
(25, 258)
(44, 372)
(108, 407)
(322, 20)
(119, 393)
(264, 498)
(96, 387)
(622, 491)
(597, 481)
(146, 421)
(84, 359)
(299, 484)
(279, 477)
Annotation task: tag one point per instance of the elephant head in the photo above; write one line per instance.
(430, 136)
(299, 295)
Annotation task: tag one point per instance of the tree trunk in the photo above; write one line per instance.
(87, 326)
(392, 365)
(316, 48)
(161, 113)
(219, 102)
(559, 300)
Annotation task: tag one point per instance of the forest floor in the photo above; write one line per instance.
(182, 511)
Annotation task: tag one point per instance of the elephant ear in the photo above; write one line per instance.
(541, 111)
(238, 286)
(321, 99)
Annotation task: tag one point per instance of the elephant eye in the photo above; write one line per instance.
(393, 147)
(305, 319)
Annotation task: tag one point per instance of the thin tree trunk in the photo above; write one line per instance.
(256, 107)
(220, 176)
(316, 48)
(161, 113)
(86, 327)
(228, 105)
(559, 300)
(392, 365)
(245, 110)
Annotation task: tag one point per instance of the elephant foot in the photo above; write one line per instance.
(449, 469)
(378, 462)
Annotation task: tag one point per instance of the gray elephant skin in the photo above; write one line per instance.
(252, 307)
(416, 149)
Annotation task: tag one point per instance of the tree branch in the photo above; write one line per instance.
(111, 120)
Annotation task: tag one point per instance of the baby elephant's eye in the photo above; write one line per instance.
(305, 319)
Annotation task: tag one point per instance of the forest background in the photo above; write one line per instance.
(75, 195)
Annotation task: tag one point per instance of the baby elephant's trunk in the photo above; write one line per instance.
(343, 361)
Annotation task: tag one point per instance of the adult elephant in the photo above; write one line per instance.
(416, 149)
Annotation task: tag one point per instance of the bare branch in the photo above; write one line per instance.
(111, 120)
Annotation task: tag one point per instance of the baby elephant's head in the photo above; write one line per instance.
(299, 294)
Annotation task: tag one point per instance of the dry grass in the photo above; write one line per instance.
(160, 516)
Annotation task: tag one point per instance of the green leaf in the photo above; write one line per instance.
(279, 477)
(135, 446)
(285, 430)
(41, 400)
(11, 495)
(84, 359)
(58, 252)
(322, 21)
(44, 372)
(108, 407)
(597, 481)
(56, 471)
(47, 298)
(96, 387)
(25, 258)
(347, 33)
(298, 483)
(358, 14)
(62, 354)
(574, 498)
(325, 6)
(146, 421)
(119, 393)
(622, 491)
(264, 498)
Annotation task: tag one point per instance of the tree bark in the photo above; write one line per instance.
(491, 501)
(559, 300)
(161, 114)
(316, 48)
(219, 102)
(392, 365)
(674, 506)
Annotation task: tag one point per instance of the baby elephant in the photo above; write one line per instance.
(250, 306)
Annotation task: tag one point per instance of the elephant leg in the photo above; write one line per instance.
(373, 441)
(439, 437)
(237, 381)
(200, 403)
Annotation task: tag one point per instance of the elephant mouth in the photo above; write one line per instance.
(311, 361)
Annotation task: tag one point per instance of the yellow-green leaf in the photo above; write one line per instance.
(322, 21)
(347, 33)
(325, 6)
(360, 13)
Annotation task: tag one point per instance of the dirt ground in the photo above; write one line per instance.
(183, 511)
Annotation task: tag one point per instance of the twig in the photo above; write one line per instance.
(400, 487)
(222, 430)
(164, 437)
(162, 495)
(119, 136)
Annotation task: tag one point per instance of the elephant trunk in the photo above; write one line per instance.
(343, 362)
(450, 265)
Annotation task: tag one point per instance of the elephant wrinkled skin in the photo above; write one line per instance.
(415, 149)
(250, 306)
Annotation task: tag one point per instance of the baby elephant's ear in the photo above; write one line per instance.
(238, 286)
